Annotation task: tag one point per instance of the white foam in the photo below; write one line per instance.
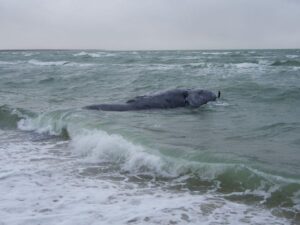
(296, 68)
(80, 54)
(220, 103)
(99, 146)
(39, 186)
(292, 56)
(44, 183)
(114, 151)
(51, 123)
(92, 54)
(42, 63)
(216, 53)
(246, 65)
(94, 145)
(27, 54)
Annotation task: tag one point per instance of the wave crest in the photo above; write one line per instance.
(48, 63)
(9, 117)
(294, 63)
(115, 151)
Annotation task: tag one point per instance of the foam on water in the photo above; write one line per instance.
(216, 53)
(8, 63)
(42, 183)
(53, 63)
(292, 56)
(99, 146)
(94, 54)
(96, 145)
(28, 54)
(246, 65)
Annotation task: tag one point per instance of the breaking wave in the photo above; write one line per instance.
(9, 117)
(42, 63)
(93, 54)
(216, 53)
(94, 145)
(89, 54)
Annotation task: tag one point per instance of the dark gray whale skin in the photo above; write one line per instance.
(165, 100)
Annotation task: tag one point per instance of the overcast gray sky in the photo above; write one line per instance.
(149, 24)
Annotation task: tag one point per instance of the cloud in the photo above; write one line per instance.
(151, 24)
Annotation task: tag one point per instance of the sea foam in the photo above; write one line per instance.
(43, 187)
(50, 63)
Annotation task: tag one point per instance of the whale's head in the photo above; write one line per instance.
(196, 98)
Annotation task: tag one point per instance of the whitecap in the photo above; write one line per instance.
(216, 53)
(90, 54)
(27, 54)
(99, 146)
(80, 54)
(246, 65)
(220, 103)
(45, 63)
(292, 56)
(54, 192)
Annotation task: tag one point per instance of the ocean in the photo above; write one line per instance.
(233, 161)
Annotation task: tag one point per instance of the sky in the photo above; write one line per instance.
(149, 24)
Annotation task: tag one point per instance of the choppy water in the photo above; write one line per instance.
(234, 161)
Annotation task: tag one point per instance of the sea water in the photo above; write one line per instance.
(233, 161)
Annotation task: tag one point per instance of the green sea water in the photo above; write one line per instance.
(242, 149)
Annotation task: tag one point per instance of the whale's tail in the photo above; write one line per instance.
(219, 94)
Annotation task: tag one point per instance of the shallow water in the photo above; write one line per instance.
(233, 161)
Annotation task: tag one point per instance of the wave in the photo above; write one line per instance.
(266, 131)
(288, 95)
(9, 117)
(49, 63)
(265, 92)
(99, 146)
(9, 63)
(216, 53)
(94, 145)
(197, 65)
(294, 63)
(228, 179)
(292, 56)
(246, 65)
(28, 54)
(89, 54)
(53, 123)
(93, 54)
(46, 63)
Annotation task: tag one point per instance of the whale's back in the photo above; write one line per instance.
(169, 99)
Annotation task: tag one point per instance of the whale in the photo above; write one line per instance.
(176, 98)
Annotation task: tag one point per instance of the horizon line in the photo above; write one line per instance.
(141, 50)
